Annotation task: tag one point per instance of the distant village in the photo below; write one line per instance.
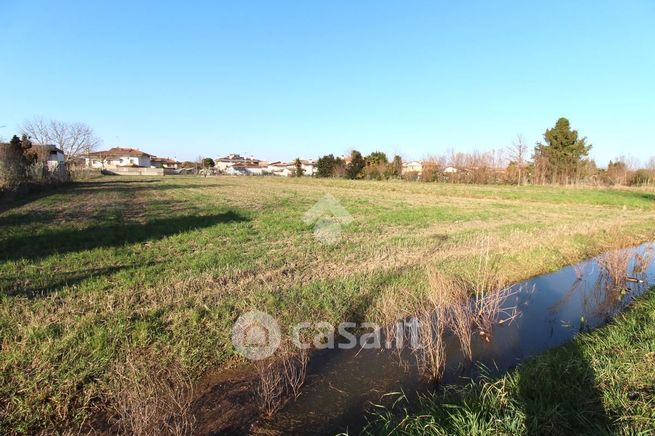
(33, 158)
(130, 161)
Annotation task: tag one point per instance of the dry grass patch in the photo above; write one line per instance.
(149, 395)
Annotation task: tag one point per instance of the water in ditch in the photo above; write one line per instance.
(342, 385)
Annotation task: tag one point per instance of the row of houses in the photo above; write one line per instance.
(237, 165)
(232, 164)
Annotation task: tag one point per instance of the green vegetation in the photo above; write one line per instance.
(356, 165)
(93, 270)
(560, 158)
(15, 159)
(601, 383)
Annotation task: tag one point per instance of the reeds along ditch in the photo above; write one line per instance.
(280, 379)
(462, 307)
(614, 269)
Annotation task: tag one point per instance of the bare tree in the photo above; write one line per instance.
(651, 164)
(518, 153)
(75, 139)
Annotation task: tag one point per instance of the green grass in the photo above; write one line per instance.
(602, 382)
(93, 269)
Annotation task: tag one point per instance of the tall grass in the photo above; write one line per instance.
(455, 306)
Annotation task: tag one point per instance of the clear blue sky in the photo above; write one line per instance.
(280, 79)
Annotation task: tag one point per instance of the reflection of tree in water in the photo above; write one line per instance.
(556, 308)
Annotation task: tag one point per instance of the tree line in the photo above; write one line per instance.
(375, 166)
(561, 157)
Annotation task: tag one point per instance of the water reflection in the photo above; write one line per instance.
(553, 308)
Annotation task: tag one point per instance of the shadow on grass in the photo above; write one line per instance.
(36, 192)
(22, 218)
(48, 285)
(559, 395)
(111, 184)
(109, 235)
(116, 184)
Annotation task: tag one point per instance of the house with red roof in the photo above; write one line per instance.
(119, 157)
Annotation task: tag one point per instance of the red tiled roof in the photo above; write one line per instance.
(120, 151)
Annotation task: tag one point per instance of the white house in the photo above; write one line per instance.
(255, 170)
(450, 170)
(49, 154)
(245, 170)
(231, 160)
(285, 169)
(278, 168)
(308, 166)
(118, 157)
(413, 167)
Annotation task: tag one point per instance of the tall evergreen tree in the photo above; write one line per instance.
(325, 166)
(561, 154)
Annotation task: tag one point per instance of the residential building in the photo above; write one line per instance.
(119, 157)
(223, 163)
(163, 162)
(245, 170)
(49, 154)
(279, 169)
(413, 167)
(308, 166)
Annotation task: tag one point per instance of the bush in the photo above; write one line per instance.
(642, 177)
(14, 162)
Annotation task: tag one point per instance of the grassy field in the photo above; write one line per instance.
(92, 270)
(601, 383)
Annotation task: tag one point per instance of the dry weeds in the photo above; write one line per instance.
(270, 387)
(614, 268)
(431, 352)
(457, 309)
(150, 396)
(295, 371)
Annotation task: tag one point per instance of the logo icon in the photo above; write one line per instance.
(256, 335)
(327, 216)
